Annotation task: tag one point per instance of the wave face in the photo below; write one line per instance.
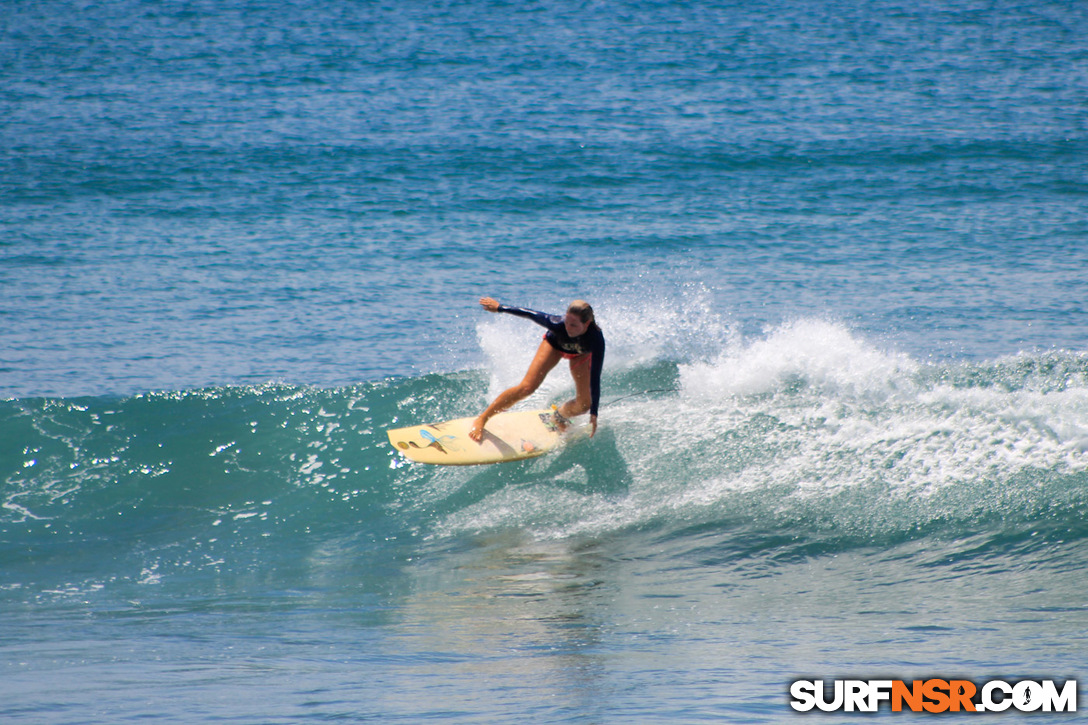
(806, 441)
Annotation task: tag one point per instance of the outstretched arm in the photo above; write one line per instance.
(541, 318)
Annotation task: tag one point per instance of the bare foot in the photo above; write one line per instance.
(561, 422)
(476, 432)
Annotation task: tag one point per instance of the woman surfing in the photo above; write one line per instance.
(574, 336)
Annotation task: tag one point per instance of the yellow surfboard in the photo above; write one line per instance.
(509, 436)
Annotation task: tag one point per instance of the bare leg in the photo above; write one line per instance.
(545, 359)
(583, 399)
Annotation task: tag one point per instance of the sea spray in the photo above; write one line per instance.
(813, 431)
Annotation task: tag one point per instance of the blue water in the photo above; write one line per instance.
(840, 255)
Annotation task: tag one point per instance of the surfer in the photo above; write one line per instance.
(574, 336)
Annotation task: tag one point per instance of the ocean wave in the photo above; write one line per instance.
(810, 431)
(807, 439)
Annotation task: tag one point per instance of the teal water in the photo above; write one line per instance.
(838, 253)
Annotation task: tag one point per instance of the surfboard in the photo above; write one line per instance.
(509, 436)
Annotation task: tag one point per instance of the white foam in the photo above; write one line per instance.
(813, 351)
(792, 419)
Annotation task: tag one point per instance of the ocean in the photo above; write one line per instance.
(839, 252)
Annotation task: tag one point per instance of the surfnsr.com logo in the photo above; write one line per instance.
(934, 695)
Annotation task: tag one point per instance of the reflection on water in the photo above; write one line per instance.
(613, 628)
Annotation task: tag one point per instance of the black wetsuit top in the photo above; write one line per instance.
(591, 342)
